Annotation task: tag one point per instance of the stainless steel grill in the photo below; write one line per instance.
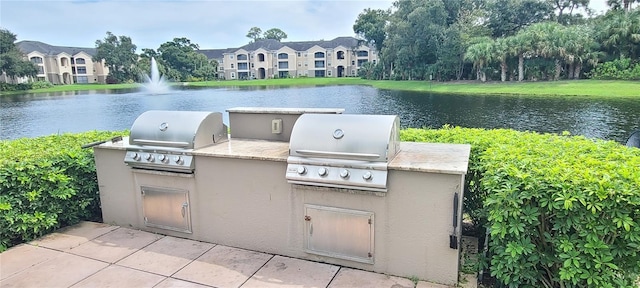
(343, 151)
(164, 140)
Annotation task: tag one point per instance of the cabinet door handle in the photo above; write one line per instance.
(184, 208)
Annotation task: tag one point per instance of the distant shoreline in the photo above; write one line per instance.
(602, 88)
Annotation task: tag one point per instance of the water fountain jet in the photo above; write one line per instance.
(155, 82)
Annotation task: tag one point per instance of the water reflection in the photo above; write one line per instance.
(43, 114)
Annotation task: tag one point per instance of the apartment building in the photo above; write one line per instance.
(268, 58)
(64, 65)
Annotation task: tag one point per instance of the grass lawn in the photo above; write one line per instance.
(604, 88)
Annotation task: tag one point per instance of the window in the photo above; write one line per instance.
(298, 54)
(81, 70)
(363, 53)
(362, 61)
(328, 72)
(230, 56)
(340, 54)
(261, 57)
(82, 79)
(328, 64)
(251, 65)
(353, 72)
(80, 61)
(283, 65)
(40, 69)
(299, 64)
(233, 75)
(242, 57)
(36, 60)
(319, 73)
(374, 61)
(221, 68)
(243, 66)
(283, 56)
(283, 74)
(319, 55)
(231, 65)
(319, 64)
(353, 62)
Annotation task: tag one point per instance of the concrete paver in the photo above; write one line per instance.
(22, 257)
(166, 256)
(99, 255)
(177, 283)
(423, 284)
(115, 245)
(118, 276)
(348, 278)
(290, 272)
(73, 236)
(62, 271)
(223, 267)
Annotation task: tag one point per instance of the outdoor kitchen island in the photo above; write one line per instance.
(238, 196)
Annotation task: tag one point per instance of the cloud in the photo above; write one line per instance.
(211, 24)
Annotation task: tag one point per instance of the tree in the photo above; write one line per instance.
(507, 17)
(625, 5)
(183, 62)
(254, 34)
(565, 9)
(370, 26)
(275, 34)
(415, 30)
(119, 54)
(481, 54)
(619, 32)
(11, 59)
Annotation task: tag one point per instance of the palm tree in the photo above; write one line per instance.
(620, 33)
(520, 45)
(480, 54)
(548, 42)
(501, 52)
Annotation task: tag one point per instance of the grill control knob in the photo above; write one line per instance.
(323, 171)
(149, 157)
(163, 158)
(367, 176)
(302, 170)
(135, 156)
(178, 160)
(344, 173)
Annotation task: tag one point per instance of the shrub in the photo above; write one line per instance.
(563, 211)
(46, 183)
(41, 85)
(619, 69)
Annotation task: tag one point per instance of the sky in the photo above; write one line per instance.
(212, 24)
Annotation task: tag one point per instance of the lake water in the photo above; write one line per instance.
(34, 115)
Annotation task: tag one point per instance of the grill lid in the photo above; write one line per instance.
(343, 151)
(346, 136)
(178, 129)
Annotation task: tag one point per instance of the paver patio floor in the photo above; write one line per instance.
(99, 255)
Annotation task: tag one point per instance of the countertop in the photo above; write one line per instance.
(413, 156)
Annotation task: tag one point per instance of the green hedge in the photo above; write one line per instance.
(563, 211)
(47, 183)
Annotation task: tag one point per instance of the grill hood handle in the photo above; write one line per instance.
(161, 143)
(113, 140)
(346, 155)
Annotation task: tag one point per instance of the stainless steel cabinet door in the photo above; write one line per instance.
(166, 208)
(339, 233)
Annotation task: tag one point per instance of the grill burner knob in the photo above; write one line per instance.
(302, 170)
(322, 171)
(178, 160)
(135, 156)
(344, 173)
(367, 176)
(149, 157)
(163, 158)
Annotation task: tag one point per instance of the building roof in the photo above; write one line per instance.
(35, 46)
(272, 45)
